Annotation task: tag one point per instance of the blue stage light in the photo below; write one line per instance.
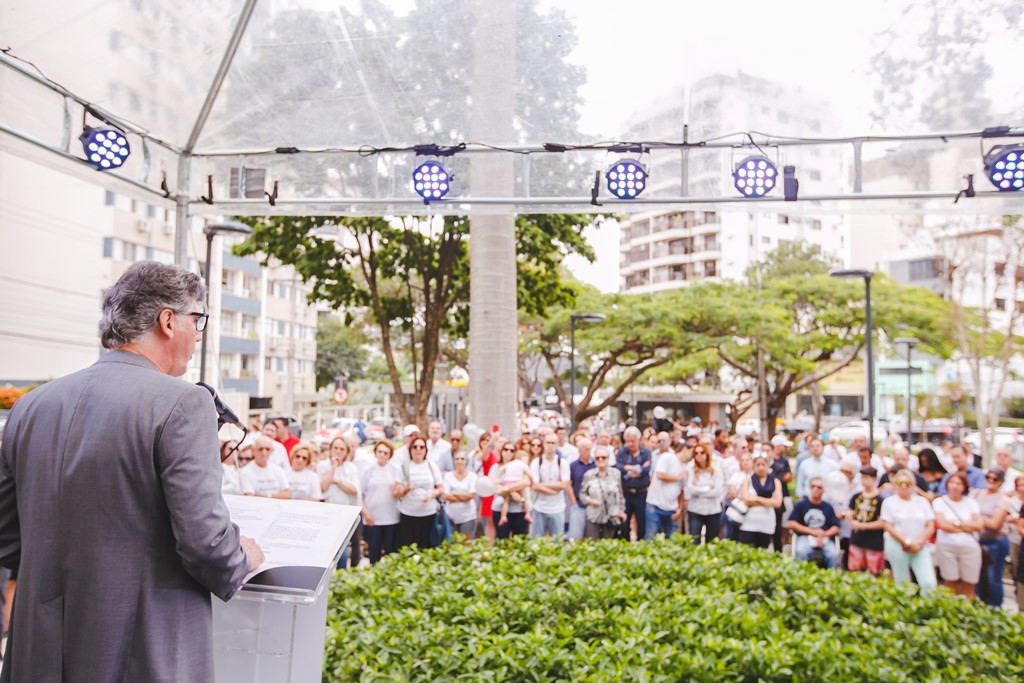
(431, 181)
(755, 176)
(105, 148)
(626, 179)
(1004, 166)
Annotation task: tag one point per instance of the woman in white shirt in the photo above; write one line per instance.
(421, 486)
(230, 484)
(957, 552)
(460, 494)
(733, 485)
(302, 480)
(704, 490)
(995, 510)
(909, 523)
(380, 484)
(339, 481)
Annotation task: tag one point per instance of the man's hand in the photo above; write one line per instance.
(253, 552)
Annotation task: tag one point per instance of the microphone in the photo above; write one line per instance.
(225, 416)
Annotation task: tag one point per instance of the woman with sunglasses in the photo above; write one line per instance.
(536, 448)
(421, 486)
(511, 476)
(381, 483)
(909, 522)
(230, 485)
(302, 480)
(602, 494)
(995, 510)
(704, 491)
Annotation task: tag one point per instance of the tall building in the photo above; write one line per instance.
(662, 249)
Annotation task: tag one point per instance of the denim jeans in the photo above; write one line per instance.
(546, 523)
(707, 522)
(804, 549)
(902, 562)
(659, 522)
(577, 522)
(990, 587)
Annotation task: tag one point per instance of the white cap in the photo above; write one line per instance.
(781, 440)
(409, 430)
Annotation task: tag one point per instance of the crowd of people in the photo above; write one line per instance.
(922, 517)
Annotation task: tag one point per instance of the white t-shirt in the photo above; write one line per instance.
(664, 495)
(304, 484)
(569, 452)
(759, 518)
(951, 511)
(908, 516)
(460, 513)
(704, 491)
(231, 485)
(278, 456)
(376, 484)
(544, 471)
(348, 473)
(424, 477)
(514, 472)
(440, 454)
(262, 481)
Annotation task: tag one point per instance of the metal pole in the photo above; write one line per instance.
(871, 366)
(206, 276)
(910, 424)
(572, 374)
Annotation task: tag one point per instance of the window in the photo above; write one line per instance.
(815, 224)
(709, 269)
(1000, 269)
(783, 220)
(1000, 304)
(108, 199)
(711, 242)
(750, 239)
(923, 269)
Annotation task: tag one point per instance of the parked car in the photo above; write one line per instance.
(1005, 437)
(848, 431)
(340, 426)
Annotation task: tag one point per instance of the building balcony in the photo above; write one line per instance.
(230, 302)
(246, 386)
(241, 345)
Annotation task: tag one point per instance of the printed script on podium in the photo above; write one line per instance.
(300, 539)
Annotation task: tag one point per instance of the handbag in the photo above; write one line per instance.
(441, 529)
(737, 510)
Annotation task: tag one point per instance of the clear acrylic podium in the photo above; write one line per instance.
(272, 630)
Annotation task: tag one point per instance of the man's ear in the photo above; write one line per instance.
(165, 323)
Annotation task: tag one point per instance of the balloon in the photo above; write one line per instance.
(484, 486)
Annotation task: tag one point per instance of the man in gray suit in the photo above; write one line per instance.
(112, 502)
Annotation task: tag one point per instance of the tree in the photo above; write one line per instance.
(937, 77)
(985, 266)
(642, 332)
(412, 276)
(810, 327)
(340, 352)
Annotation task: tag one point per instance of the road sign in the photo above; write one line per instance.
(340, 395)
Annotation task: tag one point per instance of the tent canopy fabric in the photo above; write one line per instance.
(340, 101)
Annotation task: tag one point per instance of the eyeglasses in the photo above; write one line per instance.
(904, 484)
(201, 320)
(244, 459)
(537, 444)
(601, 457)
(817, 486)
(989, 477)
(303, 457)
(508, 449)
(417, 446)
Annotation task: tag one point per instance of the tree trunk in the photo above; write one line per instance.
(493, 327)
(818, 403)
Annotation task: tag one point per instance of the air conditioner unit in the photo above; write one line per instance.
(143, 225)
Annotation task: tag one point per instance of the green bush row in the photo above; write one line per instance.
(656, 611)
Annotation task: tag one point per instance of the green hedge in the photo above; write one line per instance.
(657, 611)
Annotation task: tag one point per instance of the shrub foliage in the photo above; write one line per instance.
(656, 611)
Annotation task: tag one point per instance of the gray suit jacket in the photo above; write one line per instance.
(113, 503)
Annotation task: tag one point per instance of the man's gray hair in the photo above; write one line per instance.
(131, 307)
(631, 433)
(602, 449)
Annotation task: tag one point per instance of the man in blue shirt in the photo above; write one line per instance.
(635, 464)
(962, 461)
(814, 524)
(577, 468)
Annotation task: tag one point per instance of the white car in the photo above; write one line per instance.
(1005, 437)
(748, 427)
(848, 431)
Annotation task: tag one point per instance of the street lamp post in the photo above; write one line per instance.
(910, 343)
(225, 228)
(866, 275)
(583, 318)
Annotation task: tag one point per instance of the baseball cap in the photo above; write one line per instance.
(409, 430)
(781, 440)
